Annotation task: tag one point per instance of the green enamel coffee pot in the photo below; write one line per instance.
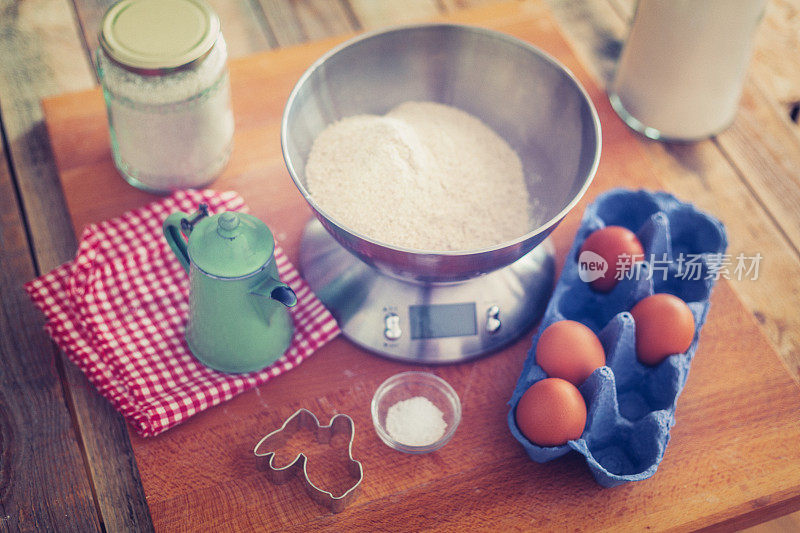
(238, 321)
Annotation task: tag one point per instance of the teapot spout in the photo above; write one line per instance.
(276, 290)
(284, 295)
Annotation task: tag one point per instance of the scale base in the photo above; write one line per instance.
(426, 323)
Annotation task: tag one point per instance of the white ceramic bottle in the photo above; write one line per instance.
(681, 71)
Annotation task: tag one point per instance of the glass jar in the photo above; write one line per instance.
(163, 68)
(681, 71)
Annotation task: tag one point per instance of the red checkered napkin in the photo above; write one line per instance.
(119, 311)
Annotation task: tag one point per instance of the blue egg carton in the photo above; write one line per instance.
(630, 406)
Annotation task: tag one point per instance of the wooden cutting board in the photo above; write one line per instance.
(733, 456)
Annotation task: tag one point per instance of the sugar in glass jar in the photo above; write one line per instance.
(163, 68)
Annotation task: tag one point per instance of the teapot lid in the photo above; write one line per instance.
(230, 245)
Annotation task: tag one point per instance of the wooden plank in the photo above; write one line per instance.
(482, 478)
(776, 83)
(120, 494)
(594, 32)
(232, 46)
(774, 64)
(242, 27)
(785, 524)
(449, 6)
(200, 473)
(43, 483)
(43, 55)
(121, 498)
(299, 21)
(703, 172)
(769, 166)
(239, 22)
(39, 60)
(372, 15)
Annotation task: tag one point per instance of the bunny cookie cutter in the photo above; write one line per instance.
(340, 424)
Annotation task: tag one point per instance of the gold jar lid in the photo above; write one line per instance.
(156, 36)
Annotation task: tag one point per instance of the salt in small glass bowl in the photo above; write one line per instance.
(407, 385)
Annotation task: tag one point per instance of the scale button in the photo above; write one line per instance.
(493, 319)
(392, 331)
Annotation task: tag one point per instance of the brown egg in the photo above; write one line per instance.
(664, 326)
(619, 247)
(569, 350)
(551, 412)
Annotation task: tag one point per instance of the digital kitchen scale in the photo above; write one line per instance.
(439, 306)
(426, 322)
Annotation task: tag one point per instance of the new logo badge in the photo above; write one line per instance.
(591, 266)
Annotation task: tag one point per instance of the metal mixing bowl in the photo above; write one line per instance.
(525, 95)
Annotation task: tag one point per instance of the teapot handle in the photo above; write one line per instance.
(176, 226)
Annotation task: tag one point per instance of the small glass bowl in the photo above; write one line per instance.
(408, 385)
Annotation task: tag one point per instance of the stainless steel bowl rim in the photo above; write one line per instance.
(490, 33)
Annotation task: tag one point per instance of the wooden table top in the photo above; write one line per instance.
(76, 467)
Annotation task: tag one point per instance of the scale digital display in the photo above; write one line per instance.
(444, 320)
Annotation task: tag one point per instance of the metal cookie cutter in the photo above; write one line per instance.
(304, 419)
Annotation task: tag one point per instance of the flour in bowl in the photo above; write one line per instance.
(425, 176)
